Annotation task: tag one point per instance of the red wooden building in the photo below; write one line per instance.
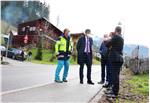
(30, 32)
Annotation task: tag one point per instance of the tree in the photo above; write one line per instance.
(16, 12)
(39, 50)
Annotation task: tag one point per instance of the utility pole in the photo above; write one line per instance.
(57, 21)
(7, 45)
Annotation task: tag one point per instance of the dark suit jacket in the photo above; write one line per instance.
(116, 51)
(80, 50)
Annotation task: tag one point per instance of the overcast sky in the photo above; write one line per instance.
(101, 16)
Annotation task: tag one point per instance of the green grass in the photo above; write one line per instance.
(135, 85)
(140, 84)
(47, 54)
(96, 62)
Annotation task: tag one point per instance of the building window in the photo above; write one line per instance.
(32, 28)
(23, 29)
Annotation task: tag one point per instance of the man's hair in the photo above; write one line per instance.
(66, 30)
(111, 33)
(118, 29)
(87, 31)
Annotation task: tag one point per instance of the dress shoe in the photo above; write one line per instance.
(101, 82)
(81, 82)
(106, 85)
(111, 96)
(109, 92)
(90, 82)
(109, 88)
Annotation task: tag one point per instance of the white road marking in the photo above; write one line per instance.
(21, 89)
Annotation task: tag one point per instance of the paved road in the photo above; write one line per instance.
(28, 82)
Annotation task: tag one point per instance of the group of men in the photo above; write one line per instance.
(111, 58)
(111, 51)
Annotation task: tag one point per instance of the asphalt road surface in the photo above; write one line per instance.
(29, 82)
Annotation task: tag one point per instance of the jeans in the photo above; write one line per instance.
(60, 65)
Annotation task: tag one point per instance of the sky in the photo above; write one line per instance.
(102, 16)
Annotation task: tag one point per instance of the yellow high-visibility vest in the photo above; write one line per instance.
(61, 45)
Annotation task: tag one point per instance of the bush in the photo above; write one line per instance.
(39, 51)
(39, 54)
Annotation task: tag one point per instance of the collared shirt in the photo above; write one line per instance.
(87, 45)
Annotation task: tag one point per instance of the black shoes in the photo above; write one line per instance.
(109, 92)
(58, 81)
(65, 81)
(106, 85)
(90, 82)
(101, 82)
(109, 88)
(112, 96)
(81, 82)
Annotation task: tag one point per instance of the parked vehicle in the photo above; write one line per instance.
(16, 54)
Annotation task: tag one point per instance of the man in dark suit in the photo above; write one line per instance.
(116, 60)
(84, 49)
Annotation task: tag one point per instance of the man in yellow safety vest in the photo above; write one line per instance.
(63, 49)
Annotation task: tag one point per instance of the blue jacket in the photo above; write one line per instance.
(103, 49)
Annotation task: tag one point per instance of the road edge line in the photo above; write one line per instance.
(97, 96)
(22, 89)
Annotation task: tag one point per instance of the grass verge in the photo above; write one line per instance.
(133, 89)
(47, 55)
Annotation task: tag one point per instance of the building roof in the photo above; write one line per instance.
(14, 32)
(76, 34)
(44, 19)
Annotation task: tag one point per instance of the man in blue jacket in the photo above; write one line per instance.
(104, 63)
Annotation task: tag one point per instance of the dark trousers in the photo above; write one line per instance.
(105, 66)
(115, 71)
(22, 58)
(88, 64)
(109, 73)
